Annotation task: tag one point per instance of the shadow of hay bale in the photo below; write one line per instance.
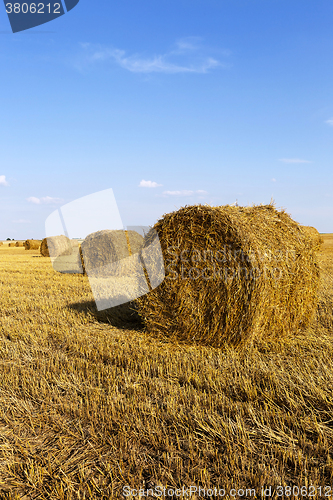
(123, 316)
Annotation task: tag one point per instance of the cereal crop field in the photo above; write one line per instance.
(90, 405)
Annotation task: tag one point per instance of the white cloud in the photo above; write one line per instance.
(330, 122)
(3, 181)
(294, 160)
(273, 180)
(184, 192)
(187, 56)
(149, 184)
(32, 199)
(21, 221)
(44, 200)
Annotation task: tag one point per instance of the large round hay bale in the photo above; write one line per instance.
(32, 244)
(102, 248)
(19, 244)
(233, 274)
(55, 246)
(314, 235)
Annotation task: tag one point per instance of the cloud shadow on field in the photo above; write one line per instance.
(122, 316)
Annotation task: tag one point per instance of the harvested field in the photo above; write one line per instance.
(87, 408)
(233, 274)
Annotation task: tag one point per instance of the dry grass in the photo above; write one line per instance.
(87, 408)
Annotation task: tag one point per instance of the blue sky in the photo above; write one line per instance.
(169, 103)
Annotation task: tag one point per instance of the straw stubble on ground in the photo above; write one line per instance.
(87, 408)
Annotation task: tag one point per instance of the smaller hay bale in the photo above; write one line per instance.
(19, 244)
(11, 244)
(313, 235)
(107, 248)
(55, 246)
(1, 243)
(63, 253)
(112, 261)
(32, 244)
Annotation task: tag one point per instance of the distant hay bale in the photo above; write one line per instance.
(102, 248)
(11, 244)
(32, 244)
(1, 243)
(111, 259)
(314, 235)
(63, 252)
(19, 244)
(233, 274)
(54, 246)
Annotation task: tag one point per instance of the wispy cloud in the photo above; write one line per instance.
(21, 221)
(44, 200)
(184, 192)
(294, 160)
(273, 180)
(188, 55)
(3, 181)
(330, 122)
(149, 184)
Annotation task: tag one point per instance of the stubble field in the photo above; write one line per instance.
(89, 405)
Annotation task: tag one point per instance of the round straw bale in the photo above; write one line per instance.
(314, 235)
(55, 246)
(32, 244)
(1, 243)
(233, 274)
(11, 244)
(19, 244)
(101, 249)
